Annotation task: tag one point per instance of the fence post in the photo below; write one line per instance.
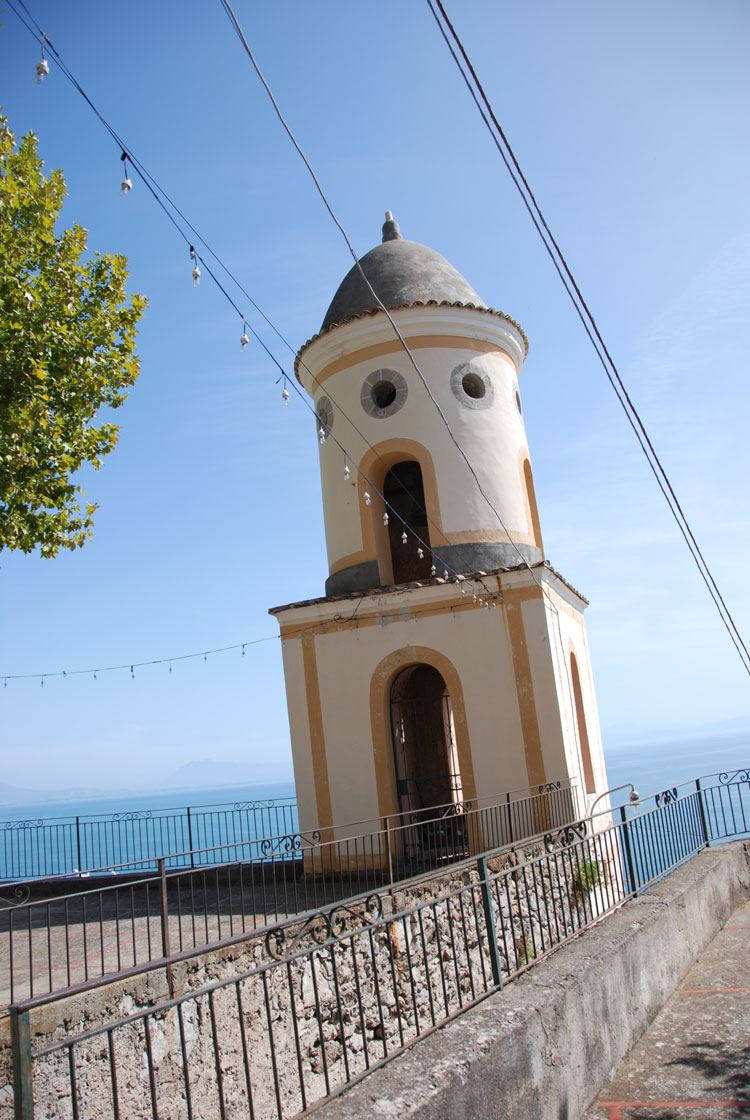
(163, 908)
(489, 918)
(190, 837)
(628, 849)
(78, 844)
(20, 1037)
(511, 837)
(389, 850)
(704, 818)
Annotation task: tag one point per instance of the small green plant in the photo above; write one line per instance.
(524, 952)
(587, 875)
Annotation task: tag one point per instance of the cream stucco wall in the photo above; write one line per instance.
(510, 663)
(493, 438)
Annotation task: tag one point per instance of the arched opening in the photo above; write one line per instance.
(424, 741)
(583, 735)
(403, 490)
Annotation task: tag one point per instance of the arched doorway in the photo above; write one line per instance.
(424, 741)
(403, 490)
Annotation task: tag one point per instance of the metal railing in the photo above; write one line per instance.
(347, 989)
(43, 847)
(53, 942)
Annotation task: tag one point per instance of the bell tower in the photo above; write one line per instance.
(447, 660)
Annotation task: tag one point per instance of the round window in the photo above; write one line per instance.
(383, 393)
(324, 416)
(471, 386)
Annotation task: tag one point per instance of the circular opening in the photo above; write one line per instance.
(474, 386)
(383, 393)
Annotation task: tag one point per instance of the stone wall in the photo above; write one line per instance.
(289, 1033)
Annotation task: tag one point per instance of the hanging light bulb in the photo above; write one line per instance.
(420, 553)
(132, 672)
(463, 589)
(404, 537)
(445, 573)
(94, 676)
(385, 518)
(285, 395)
(244, 340)
(322, 434)
(42, 68)
(346, 472)
(127, 183)
(433, 570)
(196, 273)
(367, 498)
(42, 682)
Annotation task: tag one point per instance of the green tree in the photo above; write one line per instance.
(67, 350)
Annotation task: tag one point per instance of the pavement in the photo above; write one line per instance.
(693, 1063)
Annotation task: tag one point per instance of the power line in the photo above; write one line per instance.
(162, 199)
(246, 47)
(589, 323)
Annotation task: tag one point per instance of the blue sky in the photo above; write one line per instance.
(630, 123)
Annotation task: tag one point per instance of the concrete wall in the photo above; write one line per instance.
(542, 1048)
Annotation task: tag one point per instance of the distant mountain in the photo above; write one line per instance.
(208, 775)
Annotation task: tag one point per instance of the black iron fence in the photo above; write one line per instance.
(43, 847)
(50, 943)
(345, 989)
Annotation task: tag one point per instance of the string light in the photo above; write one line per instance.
(433, 570)
(445, 574)
(42, 68)
(196, 273)
(346, 472)
(157, 192)
(367, 497)
(404, 537)
(385, 518)
(245, 339)
(420, 553)
(127, 183)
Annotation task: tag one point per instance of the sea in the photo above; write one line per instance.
(650, 766)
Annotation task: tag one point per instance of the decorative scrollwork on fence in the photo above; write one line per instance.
(285, 845)
(254, 805)
(457, 809)
(550, 787)
(318, 928)
(133, 815)
(23, 824)
(566, 836)
(666, 797)
(738, 776)
(17, 897)
(341, 915)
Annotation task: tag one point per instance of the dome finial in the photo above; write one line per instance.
(391, 231)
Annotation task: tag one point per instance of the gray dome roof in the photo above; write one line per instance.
(402, 273)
